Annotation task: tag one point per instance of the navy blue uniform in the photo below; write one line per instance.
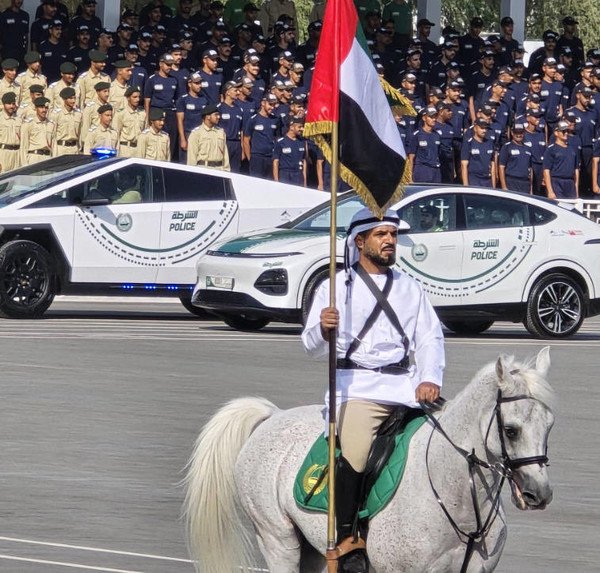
(40, 30)
(480, 156)
(585, 128)
(596, 154)
(14, 31)
(517, 161)
(262, 131)
(426, 148)
(79, 56)
(191, 107)
(562, 163)
(53, 55)
(139, 76)
(477, 85)
(447, 137)
(536, 142)
(163, 93)
(211, 86)
(550, 100)
(291, 154)
(231, 121)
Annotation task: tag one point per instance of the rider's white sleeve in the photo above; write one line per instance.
(429, 344)
(313, 341)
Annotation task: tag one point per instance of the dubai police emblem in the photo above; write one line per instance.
(419, 252)
(124, 222)
(314, 475)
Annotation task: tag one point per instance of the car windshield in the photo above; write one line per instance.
(318, 218)
(18, 184)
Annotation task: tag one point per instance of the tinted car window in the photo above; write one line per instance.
(431, 214)
(320, 220)
(187, 186)
(541, 216)
(491, 211)
(131, 184)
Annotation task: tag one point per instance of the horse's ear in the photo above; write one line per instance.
(542, 361)
(502, 368)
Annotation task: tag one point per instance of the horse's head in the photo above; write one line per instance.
(518, 435)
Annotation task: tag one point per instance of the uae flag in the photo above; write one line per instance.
(346, 89)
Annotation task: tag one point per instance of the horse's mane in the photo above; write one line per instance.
(520, 378)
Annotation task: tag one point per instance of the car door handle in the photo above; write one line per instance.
(447, 247)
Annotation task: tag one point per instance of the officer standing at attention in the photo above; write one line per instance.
(90, 112)
(36, 134)
(445, 129)
(211, 79)
(160, 92)
(153, 143)
(514, 162)
(14, 31)
(68, 120)
(595, 167)
(424, 150)
(10, 134)
(231, 122)
(30, 76)
(102, 135)
(477, 157)
(535, 140)
(561, 166)
(88, 80)
(189, 112)
(119, 85)
(67, 75)
(207, 145)
(390, 354)
(259, 138)
(9, 83)
(289, 155)
(53, 51)
(129, 122)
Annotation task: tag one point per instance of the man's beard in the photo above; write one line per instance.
(380, 259)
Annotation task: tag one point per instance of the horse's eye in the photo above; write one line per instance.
(511, 432)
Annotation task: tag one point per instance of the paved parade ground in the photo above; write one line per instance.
(102, 401)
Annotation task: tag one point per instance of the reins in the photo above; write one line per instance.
(503, 468)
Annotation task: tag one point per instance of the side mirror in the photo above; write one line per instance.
(94, 202)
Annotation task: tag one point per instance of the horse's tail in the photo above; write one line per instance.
(218, 541)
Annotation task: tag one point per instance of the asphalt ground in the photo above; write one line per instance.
(102, 401)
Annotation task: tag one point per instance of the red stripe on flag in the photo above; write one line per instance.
(339, 30)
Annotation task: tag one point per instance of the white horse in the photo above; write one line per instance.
(247, 457)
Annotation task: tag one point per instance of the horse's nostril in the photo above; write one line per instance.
(530, 498)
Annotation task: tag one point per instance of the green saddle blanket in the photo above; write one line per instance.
(310, 488)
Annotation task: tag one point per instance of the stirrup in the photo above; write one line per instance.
(348, 548)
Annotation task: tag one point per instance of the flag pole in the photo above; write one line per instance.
(331, 531)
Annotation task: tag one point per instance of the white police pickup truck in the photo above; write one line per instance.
(79, 225)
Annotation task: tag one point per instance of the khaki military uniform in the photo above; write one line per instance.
(26, 110)
(53, 93)
(116, 95)
(207, 147)
(152, 145)
(14, 87)
(10, 141)
(27, 79)
(90, 117)
(98, 136)
(36, 140)
(87, 86)
(129, 123)
(67, 133)
(271, 10)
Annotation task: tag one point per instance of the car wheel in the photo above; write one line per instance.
(466, 327)
(26, 280)
(555, 308)
(245, 322)
(186, 301)
(310, 290)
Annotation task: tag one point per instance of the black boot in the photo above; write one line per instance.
(348, 498)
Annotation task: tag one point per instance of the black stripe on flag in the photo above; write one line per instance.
(378, 166)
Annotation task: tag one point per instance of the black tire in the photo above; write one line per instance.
(27, 279)
(245, 322)
(468, 327)
(555, 308)
(309, 291)
(186, 301)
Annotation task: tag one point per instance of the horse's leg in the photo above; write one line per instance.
(281, 550)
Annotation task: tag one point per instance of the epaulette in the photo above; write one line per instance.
(90, 103)
(196, 128)
(21, 74)
(28, 119)
(280, 139)
(92, 128)
(146, 130)
(83, 75)
(53, 84)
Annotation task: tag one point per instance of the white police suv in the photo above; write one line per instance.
(480, 255)
(78, 225)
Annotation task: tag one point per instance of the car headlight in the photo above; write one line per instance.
(273, 281)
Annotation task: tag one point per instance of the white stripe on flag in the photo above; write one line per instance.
(359, 81)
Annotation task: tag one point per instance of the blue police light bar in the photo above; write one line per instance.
(103, 152)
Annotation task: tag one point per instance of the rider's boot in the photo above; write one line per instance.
(351, 549)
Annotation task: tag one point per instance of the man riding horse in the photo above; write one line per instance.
(382, 318)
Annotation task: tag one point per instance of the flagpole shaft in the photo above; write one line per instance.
(331, 531)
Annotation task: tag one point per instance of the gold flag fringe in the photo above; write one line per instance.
(317, 132)
(397, 101)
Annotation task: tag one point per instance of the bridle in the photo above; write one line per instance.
(505, 468)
